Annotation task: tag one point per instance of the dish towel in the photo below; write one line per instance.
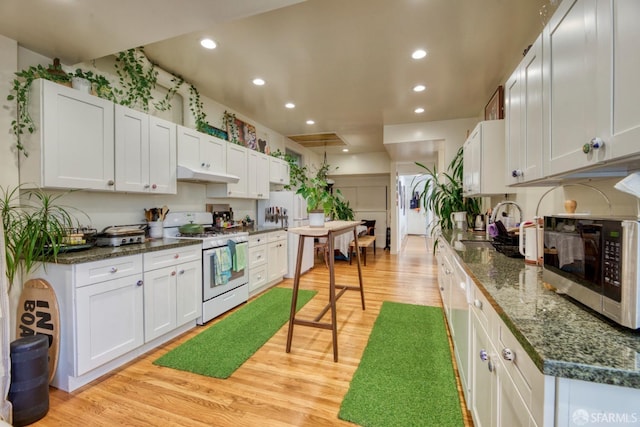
(221, 261)
(238, 255)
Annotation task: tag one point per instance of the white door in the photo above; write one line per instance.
(237, 165)
(131, 150)
(159, 302)
(188, 292)
(162, 156)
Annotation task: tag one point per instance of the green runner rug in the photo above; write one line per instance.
(222, 348)
(405, 377)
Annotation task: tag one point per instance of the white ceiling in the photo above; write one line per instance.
(345, 63)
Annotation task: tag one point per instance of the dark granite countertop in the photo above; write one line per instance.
(562, 337)
(99, 253)
(260, 230)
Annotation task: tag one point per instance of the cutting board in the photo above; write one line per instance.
(38, 314)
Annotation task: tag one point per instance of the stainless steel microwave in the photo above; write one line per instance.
(595, 261)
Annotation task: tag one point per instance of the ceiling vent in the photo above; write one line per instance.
(315, 140)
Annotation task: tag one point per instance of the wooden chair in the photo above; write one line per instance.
(323, 246)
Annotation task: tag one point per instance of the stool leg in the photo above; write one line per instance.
(332, 298)
(294, 294)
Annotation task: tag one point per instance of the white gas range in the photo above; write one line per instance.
(225, 258)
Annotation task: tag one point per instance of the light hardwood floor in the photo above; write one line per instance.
(273, 388)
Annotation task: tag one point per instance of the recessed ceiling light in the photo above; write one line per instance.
(290, 105)
(419, 54)
(310, 122)
(258, 82)
(419, 110)
(345, 150)
(419, 88)
(208, 43)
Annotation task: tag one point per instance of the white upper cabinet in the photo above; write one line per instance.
(237, 165)
(200, 151)
(483, 160)
(145, 151)
(592, 86)
(257, 175)
(523, 119)
(278, 171)
(72, 146)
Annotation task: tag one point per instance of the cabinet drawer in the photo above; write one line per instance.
(168, 257)
(483, 310)
(277, 236)
(257, 256)
(526, 377)
(257, 277)
(108, 269)
(258, 239)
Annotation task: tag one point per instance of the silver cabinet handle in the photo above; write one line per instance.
(146, 186)
(114, 270)
(516, 173)
(484, 356)
(478, 304)
(139, 283)
(508, 355)
(181, 272)
(110, 183)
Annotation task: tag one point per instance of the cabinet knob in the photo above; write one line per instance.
(139, 283)
(508, 355)
(484, 356)
(154, 186)
(490, 366)
(114, 270)
(442, 288)
(595, 144)
(176, 256)
(516, 173)
(110, 183)
(181, 272)
(478, 304)
(173, 273)
(203, 164)
(146, 186)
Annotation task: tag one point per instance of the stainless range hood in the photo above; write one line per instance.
(185, 173)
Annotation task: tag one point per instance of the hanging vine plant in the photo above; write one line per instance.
(197, 109)
(230, 125)
(137, 77)
(165, 103)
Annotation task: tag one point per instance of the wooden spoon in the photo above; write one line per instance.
(163, 212)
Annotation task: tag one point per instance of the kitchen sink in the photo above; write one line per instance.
(472, 244)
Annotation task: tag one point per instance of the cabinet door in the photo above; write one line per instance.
(237, 165)
(277, 260)
(512, 411)
(523, 121)
(162, 156)
(109, 321)
(483, 385)
(574, 77)
(213, 154)
(189, 147)
(188, 292)
(472, 162)
(159, 302)
(278, 171)
(257, 175)
(624, 61)
(131, 150)
(77, 133)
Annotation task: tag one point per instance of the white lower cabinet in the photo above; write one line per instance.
(109, 321)
(258, 269)
(111, 310)
(173, 293)
(277, 255)
(267, 259)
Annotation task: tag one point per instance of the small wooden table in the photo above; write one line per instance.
(330, 230)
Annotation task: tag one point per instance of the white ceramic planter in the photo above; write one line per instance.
(316, 218)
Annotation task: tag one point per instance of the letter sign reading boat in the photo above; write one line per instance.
(38, 314)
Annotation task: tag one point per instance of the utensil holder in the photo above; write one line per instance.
(156, 229)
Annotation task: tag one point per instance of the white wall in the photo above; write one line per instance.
(8, 159)
(359, 164)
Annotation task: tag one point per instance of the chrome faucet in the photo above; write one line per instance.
(501, 204)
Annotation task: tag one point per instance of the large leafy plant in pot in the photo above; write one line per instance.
(441, 193)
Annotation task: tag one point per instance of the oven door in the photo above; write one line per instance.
(223, 269)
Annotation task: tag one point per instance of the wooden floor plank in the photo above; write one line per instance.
(302, 388)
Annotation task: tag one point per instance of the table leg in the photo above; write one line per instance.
(332, 297)
(294, 294)
(355, 239)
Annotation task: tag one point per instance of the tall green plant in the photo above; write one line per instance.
(35, 226)
(441, 193)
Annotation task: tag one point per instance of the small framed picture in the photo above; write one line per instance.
(494, 110)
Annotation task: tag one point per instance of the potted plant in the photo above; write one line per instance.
(442, 194)
(35, 228)
(319, 200)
